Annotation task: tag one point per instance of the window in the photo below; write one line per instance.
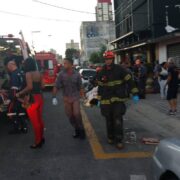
(48, 65)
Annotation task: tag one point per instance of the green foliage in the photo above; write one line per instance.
(97, 57)
(72, 53)
(94, 58)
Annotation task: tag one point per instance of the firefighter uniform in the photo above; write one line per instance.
(114, 83)
(15, 111)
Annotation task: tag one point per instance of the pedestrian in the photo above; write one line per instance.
(162, 78)
(113, 93)
(70, 82)
(172, 83)
(34, 105)
(140, 75)
(15, 110)
(156, 76)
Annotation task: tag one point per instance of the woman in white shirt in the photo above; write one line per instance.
(162, 77)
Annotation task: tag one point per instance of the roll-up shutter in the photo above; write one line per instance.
(173, 51)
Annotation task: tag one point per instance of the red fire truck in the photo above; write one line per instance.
(48, 65)
(19, 49)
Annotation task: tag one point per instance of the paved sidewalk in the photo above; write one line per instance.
(161, 105)
(152, 113)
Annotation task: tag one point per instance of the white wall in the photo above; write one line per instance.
(162, 49)
(162, 52)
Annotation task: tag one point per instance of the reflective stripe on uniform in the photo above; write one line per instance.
(113, 100)
(105, 102)
(11, 114)
(21, 114)
(134, 90)
(110, 83)
(127, 77)
(116, 99)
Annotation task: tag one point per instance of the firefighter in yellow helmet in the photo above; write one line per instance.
(114, 83)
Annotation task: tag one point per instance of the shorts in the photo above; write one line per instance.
(172, 93)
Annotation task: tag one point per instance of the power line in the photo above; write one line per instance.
(59, 7)
(32, 17)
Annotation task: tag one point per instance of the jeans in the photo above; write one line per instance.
(163, 88)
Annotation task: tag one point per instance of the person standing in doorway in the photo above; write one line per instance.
(71, 84)
(172, 83)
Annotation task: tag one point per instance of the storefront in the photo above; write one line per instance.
(168, 47)
(143, 51)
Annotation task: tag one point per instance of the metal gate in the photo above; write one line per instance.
(173, 51)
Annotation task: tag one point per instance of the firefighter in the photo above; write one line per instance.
(15, 111)
(113, 81)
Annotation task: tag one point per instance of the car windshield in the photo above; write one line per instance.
(88, 73)
(10, 46)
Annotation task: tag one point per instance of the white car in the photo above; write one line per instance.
(166, 160)
(87, 74)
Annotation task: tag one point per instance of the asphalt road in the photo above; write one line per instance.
(63, 158)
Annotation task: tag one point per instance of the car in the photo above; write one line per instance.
(166, 160)
(87, 74)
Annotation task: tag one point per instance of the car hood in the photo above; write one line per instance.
(167, 155)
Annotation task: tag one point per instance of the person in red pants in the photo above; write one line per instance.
(34, 100)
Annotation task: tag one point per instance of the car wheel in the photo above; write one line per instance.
(171, 178)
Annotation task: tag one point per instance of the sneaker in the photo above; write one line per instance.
(120, 146)
(24, 130)
(171, 113)
(76, 134)
(175, 112)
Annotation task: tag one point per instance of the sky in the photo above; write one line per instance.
(51, 27)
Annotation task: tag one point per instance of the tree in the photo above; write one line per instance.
(94, 58)
(97, 57)
(101, 52)
(72, 53)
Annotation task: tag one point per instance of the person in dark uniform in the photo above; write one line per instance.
(172, 83)
(113, 93)
(15, 111)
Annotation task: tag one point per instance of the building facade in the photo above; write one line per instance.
(147, 29)
(72, 45)
(104, 10)
(94, 35)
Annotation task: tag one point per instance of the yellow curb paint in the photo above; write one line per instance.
(97, 148)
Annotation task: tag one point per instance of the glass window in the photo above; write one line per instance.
(48, 65)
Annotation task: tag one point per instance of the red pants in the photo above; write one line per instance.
(35, 116)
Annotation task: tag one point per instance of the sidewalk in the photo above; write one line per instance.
(162, 105)
(152, 113)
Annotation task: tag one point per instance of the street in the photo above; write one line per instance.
(63, 158)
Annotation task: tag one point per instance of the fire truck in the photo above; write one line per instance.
(11, 46)
(47, 64)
